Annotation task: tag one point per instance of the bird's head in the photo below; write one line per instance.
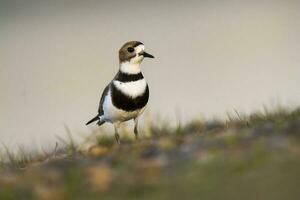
(133, 52)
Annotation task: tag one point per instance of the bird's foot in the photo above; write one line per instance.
(117, 136)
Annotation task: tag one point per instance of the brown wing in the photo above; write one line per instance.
(100, 109)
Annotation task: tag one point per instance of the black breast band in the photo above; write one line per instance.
(124, 77)
(127, 103)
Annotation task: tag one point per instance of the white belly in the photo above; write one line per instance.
(113, 114)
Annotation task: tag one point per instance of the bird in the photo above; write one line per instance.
(126, 96)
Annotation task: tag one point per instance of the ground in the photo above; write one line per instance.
(244, 157)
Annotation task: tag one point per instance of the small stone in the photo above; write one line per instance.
(166, 144)
(100, 177)
(97, 151)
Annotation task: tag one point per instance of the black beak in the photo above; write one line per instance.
(146, 55)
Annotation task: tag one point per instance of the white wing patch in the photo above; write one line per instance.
(133, 88)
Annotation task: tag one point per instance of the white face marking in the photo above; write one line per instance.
(139, 48)
(138, 58)
(133, 88)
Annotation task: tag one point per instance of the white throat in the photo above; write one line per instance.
(130, 68)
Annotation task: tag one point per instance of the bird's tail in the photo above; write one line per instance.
(93, 120)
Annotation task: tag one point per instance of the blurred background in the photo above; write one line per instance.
(212, 57)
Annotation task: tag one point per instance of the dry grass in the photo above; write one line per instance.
(244, 157)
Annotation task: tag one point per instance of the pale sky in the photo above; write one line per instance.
(212, 57)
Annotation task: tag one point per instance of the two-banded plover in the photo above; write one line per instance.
(126, 96)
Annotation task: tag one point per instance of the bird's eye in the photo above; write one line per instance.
(130, 49)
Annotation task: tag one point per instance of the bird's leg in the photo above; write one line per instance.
(136, 128)
(117, 136)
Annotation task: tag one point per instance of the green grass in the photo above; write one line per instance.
(243, 157)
